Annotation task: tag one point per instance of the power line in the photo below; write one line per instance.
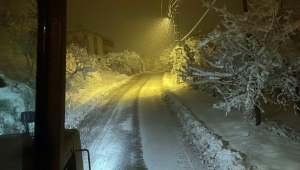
(198, 22)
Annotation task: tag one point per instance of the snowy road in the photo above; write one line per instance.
(133, 128)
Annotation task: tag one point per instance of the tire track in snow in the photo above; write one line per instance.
(100, 130)
(163, 145)
(183, 158)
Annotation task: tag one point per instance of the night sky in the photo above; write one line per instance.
(139, 25)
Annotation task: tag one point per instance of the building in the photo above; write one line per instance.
(95, 43)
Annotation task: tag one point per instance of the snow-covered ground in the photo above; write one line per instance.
(132, 127)
(206, 128)
(219, 141)
(162, 142)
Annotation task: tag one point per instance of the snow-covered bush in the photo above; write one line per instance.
(195, 58)
(178, 59)
(175, 58)
(167, 59)
(191, 59)
(283, 130)
(127, 62)
(253, 53)
(190, 43)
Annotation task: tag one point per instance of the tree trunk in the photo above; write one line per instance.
(214, 93)
(257, 114)
(297, 103)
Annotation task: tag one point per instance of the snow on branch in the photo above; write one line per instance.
(254, 53)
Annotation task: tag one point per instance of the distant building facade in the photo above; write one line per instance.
(95, 43)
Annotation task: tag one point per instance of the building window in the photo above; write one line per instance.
(95, 46)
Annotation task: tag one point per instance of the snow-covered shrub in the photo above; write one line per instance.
(167, 59)
(253, 53)
(191, 42)
(189, 62)
(175, 57)
(127, 62)
(196, 59)
(283, 130)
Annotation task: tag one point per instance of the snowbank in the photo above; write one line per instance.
(15, 98)
(90, 91)
(211, 148)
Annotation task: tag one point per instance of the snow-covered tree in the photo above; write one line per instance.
(22, 28)
(196, 59)
(254, 54)
(126, 62)
(78, 60)
(174, 57)
(79, 65)
(192, 59)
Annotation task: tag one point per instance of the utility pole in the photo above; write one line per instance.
(173, 15)
(176, 28)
